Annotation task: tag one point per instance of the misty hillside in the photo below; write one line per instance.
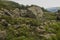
(19, 22)
(53, 9)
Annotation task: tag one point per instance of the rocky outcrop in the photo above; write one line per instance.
(31, 12)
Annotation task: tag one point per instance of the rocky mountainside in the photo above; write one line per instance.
(15, 10)
(19, 22)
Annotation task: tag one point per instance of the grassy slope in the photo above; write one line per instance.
(27, 29)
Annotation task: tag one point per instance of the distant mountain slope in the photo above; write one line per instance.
(9, 5)
(53, 9)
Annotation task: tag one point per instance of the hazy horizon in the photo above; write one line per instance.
(42, 3)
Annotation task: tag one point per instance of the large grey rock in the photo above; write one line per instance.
(36, 10)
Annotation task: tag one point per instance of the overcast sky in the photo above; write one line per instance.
(42, 3)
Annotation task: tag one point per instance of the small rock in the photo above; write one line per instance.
(2, 35)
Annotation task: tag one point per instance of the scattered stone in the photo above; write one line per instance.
(2, 35)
